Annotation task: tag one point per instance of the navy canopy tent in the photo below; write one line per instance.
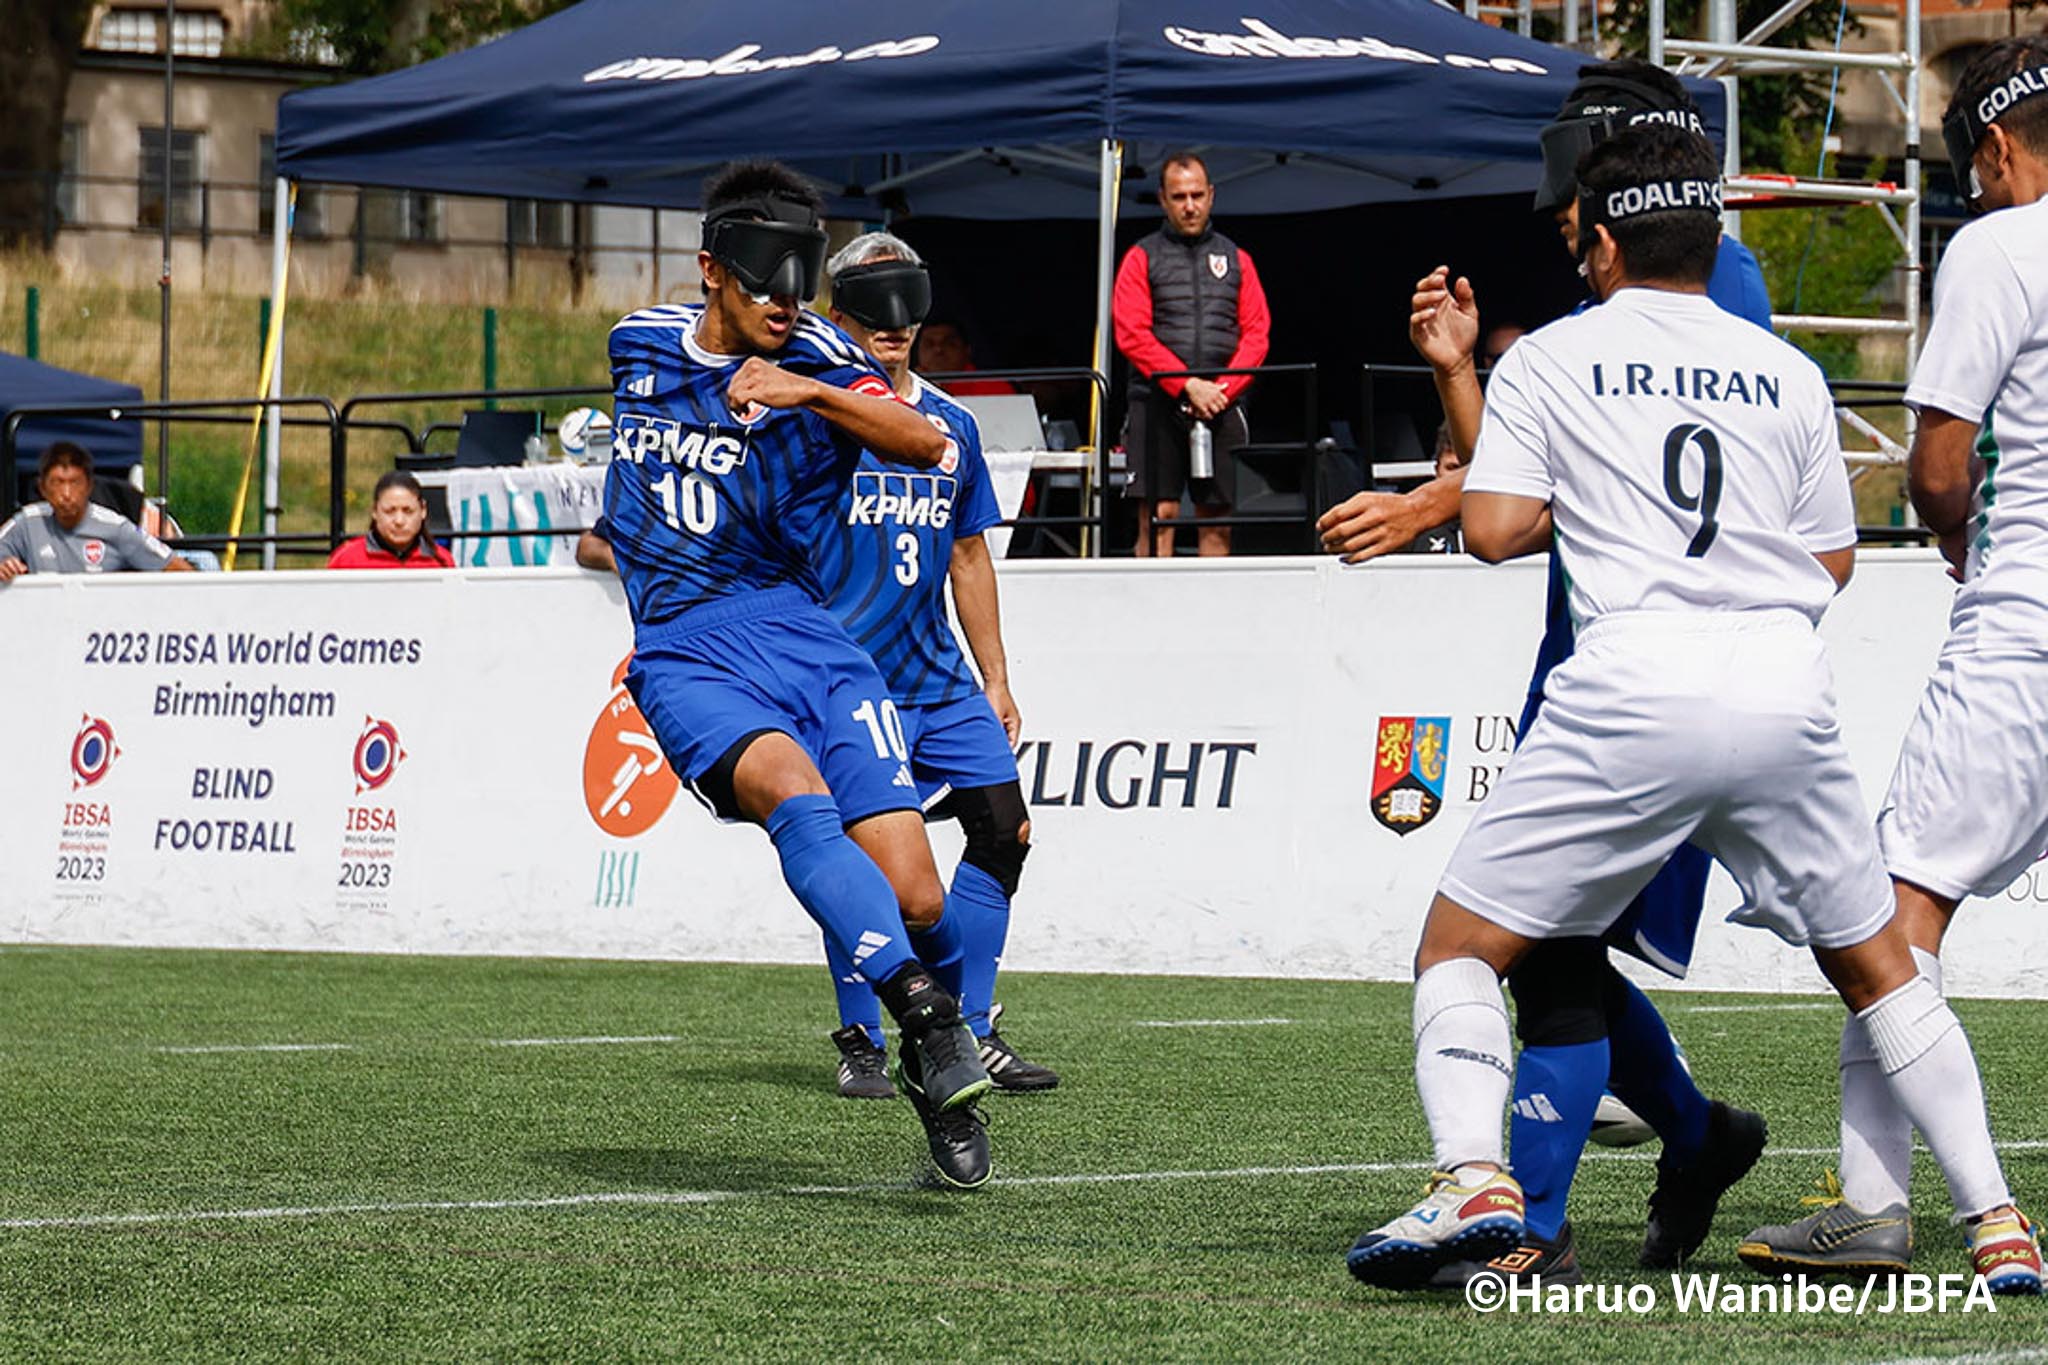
(114, 445)
(952, 107)
(958, 108)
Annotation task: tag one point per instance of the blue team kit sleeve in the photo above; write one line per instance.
(977, 509)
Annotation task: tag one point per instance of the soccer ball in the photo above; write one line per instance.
(1617, 1125)
(585, 435)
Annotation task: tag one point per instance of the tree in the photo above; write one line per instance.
(36, 60)
(1828, 261)
(365, 37)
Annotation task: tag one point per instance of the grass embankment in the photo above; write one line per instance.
(375, 341)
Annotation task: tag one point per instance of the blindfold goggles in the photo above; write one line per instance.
(883, 296)
(1965, 128)
(775, 248)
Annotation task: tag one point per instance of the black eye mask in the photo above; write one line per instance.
(773, 246)
(883, 296)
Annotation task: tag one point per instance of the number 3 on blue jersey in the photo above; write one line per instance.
(906, 568)
(694, 508)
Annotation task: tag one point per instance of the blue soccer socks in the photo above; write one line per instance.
(839, 886)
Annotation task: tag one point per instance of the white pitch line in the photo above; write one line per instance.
(2025, 1353)
(582, 1042)
(686, 1197)
(1207, 1023)
(1757, 1009)
(258, 1047)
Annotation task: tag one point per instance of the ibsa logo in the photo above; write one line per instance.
(93, 751)
(377, 754)
(627, 784)
(1410, 756)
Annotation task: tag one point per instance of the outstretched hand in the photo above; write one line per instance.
(1443, 319)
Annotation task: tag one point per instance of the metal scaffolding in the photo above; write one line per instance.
(1726, 56)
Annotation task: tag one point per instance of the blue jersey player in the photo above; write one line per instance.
(1583, 1025)
(892, 542)
(724, 460)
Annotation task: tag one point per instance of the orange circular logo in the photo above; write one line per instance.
(627, 784)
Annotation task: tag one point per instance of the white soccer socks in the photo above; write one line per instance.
(1932, 1072)
(1464, 1060)
(1877, 1137)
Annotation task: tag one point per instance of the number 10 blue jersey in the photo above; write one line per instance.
(702, 503)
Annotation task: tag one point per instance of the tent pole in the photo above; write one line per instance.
(283, 207)
(1105, 270)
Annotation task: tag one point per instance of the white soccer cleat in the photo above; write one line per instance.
(1454, 1222)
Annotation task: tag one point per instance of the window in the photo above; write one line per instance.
(129, 30)
(186, 146)
(197, 35)
(70, 165)
(312, 221)
(419, 216)
(532, 222)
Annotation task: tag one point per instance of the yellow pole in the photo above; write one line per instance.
(269, 367)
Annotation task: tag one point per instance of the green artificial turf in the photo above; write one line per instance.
(1172, 1200)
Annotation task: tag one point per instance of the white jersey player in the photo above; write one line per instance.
(1690, 472)
(1968, 806)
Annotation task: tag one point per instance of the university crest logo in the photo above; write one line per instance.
(1410, 757)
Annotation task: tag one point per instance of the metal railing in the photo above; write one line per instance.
(1163, 406)
(214, 411)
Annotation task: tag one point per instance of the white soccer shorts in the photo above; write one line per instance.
(1967, 812)
(1663, 727)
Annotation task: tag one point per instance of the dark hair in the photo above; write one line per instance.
(2026, 122)
(397, 478)
(65, 453)
(743, 180)
(1672, 92)
(1676, 247)
(1181, 158)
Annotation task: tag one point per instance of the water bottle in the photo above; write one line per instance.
(1201, 451)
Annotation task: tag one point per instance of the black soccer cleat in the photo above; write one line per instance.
(1554, 1261)
(958, 1137)
(1008, 1070)
(948, 1062)
(863, 1067)
(1683, 1203)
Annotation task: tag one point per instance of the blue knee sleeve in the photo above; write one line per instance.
(839, 886)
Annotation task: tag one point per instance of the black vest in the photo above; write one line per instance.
(1194, 284)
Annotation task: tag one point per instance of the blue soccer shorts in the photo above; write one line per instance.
(772, 660)
(955, 745)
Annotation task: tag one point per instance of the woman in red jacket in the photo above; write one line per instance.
(398, 536)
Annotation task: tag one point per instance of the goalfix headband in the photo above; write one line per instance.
(1965, 128)
(1638, 201)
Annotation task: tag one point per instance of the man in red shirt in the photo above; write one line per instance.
(1186, 298)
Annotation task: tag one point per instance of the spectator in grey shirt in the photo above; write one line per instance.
(69, 533)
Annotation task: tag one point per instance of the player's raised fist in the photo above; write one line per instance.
(765, 383)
